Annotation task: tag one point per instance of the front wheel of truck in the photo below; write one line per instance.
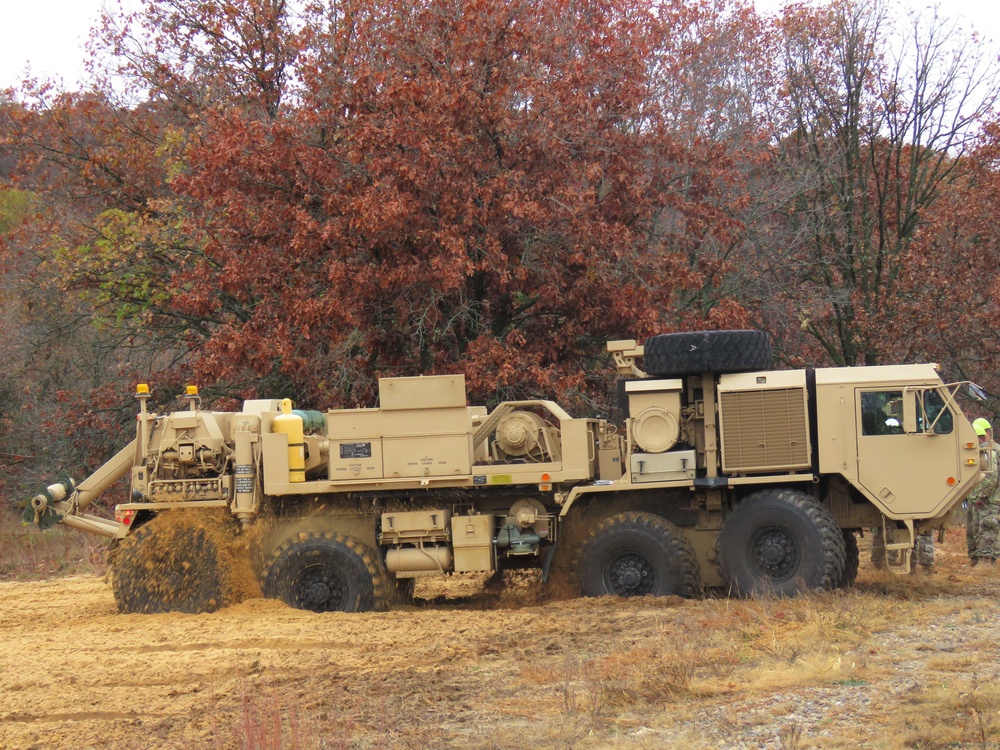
(781, 542)
(638, 554)
(325, 572)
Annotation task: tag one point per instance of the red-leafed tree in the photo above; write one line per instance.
(279, 204)
(89, 277)
(114, 236)
(452, 186)
(949, 292)
(275, 198)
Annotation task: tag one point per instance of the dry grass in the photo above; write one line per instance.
(28, 553)
(266, 723)
(913, 647)
(896, 663)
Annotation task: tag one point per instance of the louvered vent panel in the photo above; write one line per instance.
(764, 430)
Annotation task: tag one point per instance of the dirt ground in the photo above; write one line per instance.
(498, 670)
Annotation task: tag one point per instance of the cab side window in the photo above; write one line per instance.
(882, 413)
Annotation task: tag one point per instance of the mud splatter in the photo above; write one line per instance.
(183, 561)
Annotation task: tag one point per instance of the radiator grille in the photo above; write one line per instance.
(764, 430)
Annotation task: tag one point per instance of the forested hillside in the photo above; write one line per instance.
(273, 198)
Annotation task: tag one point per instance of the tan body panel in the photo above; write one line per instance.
(920, 475)
(458, 488)
(763, 423)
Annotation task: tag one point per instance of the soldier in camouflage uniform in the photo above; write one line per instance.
(983, 504)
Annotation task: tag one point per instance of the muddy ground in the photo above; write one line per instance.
(502, 670)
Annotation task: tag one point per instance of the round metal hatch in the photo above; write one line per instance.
(655, 430)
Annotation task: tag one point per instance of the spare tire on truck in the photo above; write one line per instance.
(696, 352)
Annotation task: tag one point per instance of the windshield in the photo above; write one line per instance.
(932, 414)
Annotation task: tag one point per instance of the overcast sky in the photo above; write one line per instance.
(47, 36)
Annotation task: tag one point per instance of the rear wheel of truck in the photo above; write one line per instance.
(170, 564)
(638, 554)
(781, 542)
(325, 572)
(695, 352)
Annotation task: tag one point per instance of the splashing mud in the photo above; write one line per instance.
(184, 562)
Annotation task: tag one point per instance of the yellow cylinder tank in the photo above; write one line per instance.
(291, 425)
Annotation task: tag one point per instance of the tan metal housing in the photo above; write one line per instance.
(426, 484)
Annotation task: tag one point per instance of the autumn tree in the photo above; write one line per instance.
(188, 56)
(949, 291)
(458, 186)
(272, 198)
(90, 276)
(877, 124)
(116, 238)
(716, 79)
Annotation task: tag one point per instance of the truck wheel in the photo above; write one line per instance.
(781, 542)
(325, 572)
(638, 554)
(852, 559)
(167, 566)
(695, 352)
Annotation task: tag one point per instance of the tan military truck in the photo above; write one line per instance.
(725, 473)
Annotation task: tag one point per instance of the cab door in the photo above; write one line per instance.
(906, 474)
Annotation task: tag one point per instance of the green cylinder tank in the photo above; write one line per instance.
(311, 420)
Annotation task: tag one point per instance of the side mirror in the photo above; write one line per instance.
(976, 393)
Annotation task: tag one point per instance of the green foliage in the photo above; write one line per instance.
(15, 207)
(125, 271)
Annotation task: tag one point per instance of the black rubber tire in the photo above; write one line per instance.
(637, 554)
(852, 559)
(696, 352)
(325, 572)
(167, 567)
(781, 542)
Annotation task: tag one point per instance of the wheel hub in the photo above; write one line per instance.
(320, 592)
(632, 575)
(776, 554)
